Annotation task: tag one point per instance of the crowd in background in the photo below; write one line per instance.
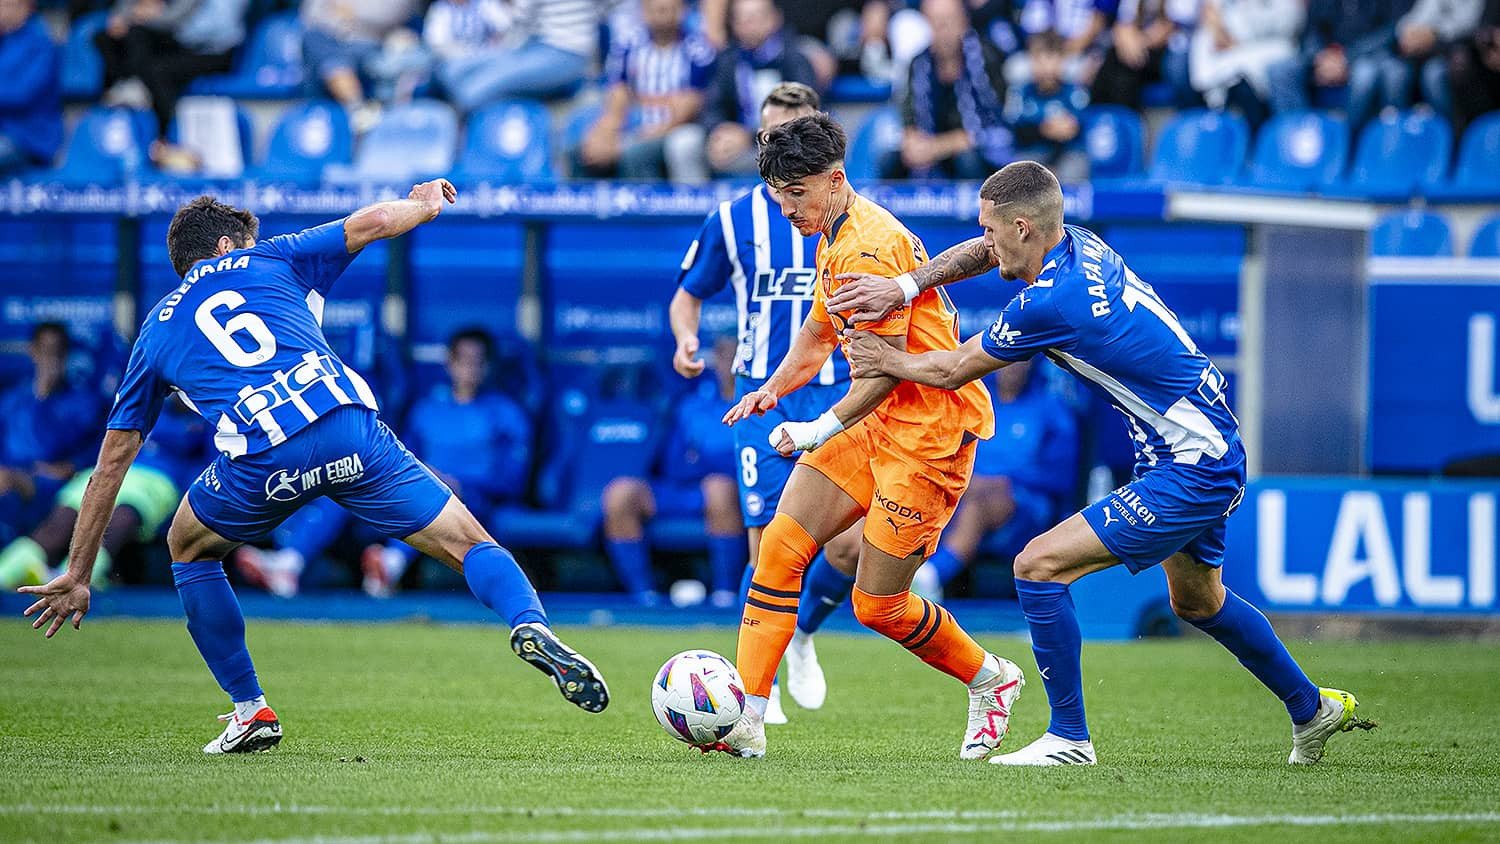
(978, 82)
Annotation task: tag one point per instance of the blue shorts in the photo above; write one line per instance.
(348, 455)
(1169, 508)
(677, 498)
(763, 472)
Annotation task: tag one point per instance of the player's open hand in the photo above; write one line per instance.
(866, 352)
(870, 297)
(434, 193)
(685, 360)
(754, 403)
(57, 600)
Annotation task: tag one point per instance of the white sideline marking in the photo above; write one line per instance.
(979, 822)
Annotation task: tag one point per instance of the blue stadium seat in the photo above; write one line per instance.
(1476, 174)
(82, 68)
(507, 142)
(879, 134)
(307, 137)
(107, 146)
(269, 65)
(1399, 153)
(1201, 147)
(414, 141)
(1411, 234)
(1113, 138)
(1486, 242)
(1301, 151)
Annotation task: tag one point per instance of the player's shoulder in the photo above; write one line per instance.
(875, 221)
(867, 229)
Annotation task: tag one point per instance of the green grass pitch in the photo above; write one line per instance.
(417, 733)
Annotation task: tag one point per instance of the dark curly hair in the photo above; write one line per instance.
(801, 148)
(197, 226)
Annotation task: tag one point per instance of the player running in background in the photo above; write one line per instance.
(771, 267)
(241, 343)
(898, 455)
(1088, 312)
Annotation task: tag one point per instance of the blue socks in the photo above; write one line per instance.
(632, 563)
(1245, 632)
(1055, 640)
(726, 560)
(823, 589)
(217, 626)
(498, 582)
(945, 564)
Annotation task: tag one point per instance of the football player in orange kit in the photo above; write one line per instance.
(897, 452)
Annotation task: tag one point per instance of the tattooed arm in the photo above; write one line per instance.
(872, 297)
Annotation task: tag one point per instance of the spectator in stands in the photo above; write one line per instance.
(1425, 37)
(1234, 45)
(561, 38)
(836, 36)
(660, 78)
(344, 38)
(1346, 42)
(1148, 43)
(1045, 112)
(954, 107)
(465, 37)
(1474, 68)
(30, 111)
(46, 432)
(476, 440)
(1024, 476)
(762, 57)
(694, 475)
(1083, 24)
(162, 47)
(174, 454)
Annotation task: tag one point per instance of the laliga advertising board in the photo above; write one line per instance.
(1338, 544)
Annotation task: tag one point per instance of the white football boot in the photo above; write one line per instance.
(774, 713)
(989, 710)
(804, 676)
(1335, 715)
(747, 740)
(261, 732)
(1050, 750)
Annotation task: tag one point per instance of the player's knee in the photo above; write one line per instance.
(1038, 562)
(721, 504)
(843, 553)
(881, 613)
(1195, 604)
(624, 496)
(785, 550)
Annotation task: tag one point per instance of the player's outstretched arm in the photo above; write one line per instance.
(872, 297)
(864, 395)
(67, 595)
(685, 313)
(813, 344)
(870, 357)
(396, 217)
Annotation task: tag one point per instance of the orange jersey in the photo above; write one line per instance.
(926, 422)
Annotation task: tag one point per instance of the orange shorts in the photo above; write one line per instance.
(908, 501)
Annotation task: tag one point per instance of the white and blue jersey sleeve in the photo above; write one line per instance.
(706, 268)
(1029, 325)
(139, 400)
(318, 256)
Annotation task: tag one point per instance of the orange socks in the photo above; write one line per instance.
(922, 627)
(771, 607)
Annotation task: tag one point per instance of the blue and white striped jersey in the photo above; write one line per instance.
(241, 341)
(1097, 319)
(773, 270)
(653, 71)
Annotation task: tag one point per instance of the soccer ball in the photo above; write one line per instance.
(698, 697)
